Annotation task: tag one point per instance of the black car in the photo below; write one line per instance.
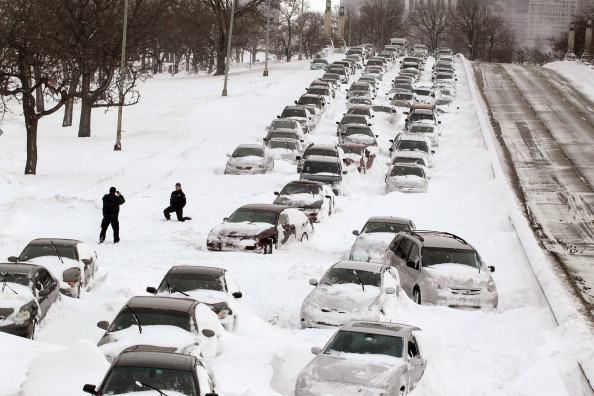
(144, 368)
(27, 292)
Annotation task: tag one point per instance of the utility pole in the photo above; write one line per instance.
(118, 143)
(228, 60)
(265, 74)
(301, 33)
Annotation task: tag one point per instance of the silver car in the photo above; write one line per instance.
(439, 268)
(408, 178)
(376, 235)
(249, 159)
(365, 359)
(351, 290)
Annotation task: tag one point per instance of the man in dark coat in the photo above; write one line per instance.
(111, 211)
(176, 204)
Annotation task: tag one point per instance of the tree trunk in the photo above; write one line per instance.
(84, 126)
(38, 92)
(31, 123)
(221, 53)
(68, 110)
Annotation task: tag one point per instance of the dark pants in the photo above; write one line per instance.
(115, 226)
(179, 212)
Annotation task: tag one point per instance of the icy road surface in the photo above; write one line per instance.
(181, 131)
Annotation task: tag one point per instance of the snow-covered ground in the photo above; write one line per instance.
(579, 75)
(181, 131)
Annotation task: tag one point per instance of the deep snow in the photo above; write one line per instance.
(181, 131)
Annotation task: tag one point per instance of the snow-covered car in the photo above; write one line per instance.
(301, 115)
(333, 78)
(210, 285)
(27, 292)
(447, 95)
(283, 134)
(361, 86)
(358, 134)
(351, 119)
(405, 143)
(359, 100)
(351, 290)
(324, 150)
(440, 268)
(249, 159)
(316, 104)
(402, 99)
(285, 125)
(70, 261)
(364, 110)
(183, 324)
(327, 170)
(424, 94)
(285, 149)
(358, 155)
(422, 116)
(319, 90)
(375, 236)
(325, 84)
(427, 130)
(410, 178)
(318, 64)
(365, 359)
(259, 228)
(315, 199)
(148, 370)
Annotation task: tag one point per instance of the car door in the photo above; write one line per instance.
(46, 290)
(390, 253)
(389, 302)
(407, 275)
(416, 362)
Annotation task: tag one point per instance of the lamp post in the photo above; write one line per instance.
(118, 144)
(301, 33)
(265, 74)
(228, 60)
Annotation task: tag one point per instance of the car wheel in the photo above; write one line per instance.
(403, 391)
(417, 296)
(304, 237)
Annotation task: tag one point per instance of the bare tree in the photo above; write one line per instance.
(469, 20)
(378, 21)
(431, 21)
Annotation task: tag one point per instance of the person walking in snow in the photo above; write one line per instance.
(111, 212)
(176, 204)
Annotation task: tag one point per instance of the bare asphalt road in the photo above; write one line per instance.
(547, 127)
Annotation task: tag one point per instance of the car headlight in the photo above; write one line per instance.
(23, 315)
(491, 286)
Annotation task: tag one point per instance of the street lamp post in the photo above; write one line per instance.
(118, 143)
(265, 74)
(301, 33)
(228, 60)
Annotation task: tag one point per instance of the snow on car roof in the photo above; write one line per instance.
(265, 207)
(360, 265)
(384, 328)
(159, 302)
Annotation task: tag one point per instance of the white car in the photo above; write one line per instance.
(210, 285)
(375, 236)
(428, 130)
(406, 142)
(365, 359)
(70, 261)
(301, 115)
(314, 198)
(182, 324)
(407, 178)
(357, 134)
(351, 290)
(249, 159)
(285, 149)
(286, 124)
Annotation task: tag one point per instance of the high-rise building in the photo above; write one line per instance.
(549, 19)
(410, 5)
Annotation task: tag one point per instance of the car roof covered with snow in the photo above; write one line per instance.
(383, 328)
(158, 302)
(439, 239)
(265, 207)
(155, 357)
(388, 219)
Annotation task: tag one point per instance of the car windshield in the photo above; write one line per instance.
(382, 226)
(122, 380)
(407, 171)
(436, 256)
(365, 343)
(353, 119)
(347, 149)
(358, 131)
(293, 113)
(150, 317)
(313, 167)
(422, 92)
(355, 111)
(403, 97)
(248, 152)
(341, 276)
(300, 188)
(279, 144)
(282, 135)
(21, 279)
(189, 282)
(403, 86)
(409, 160)
(318, 91)
(283, 124)
(421, 128)
(305, 100)
(320, 61)
(360, 101)
(32, 251)
(331, 76)
(360, 87)
(422, 116)
(320, 151)
(253, 216)
(413, 145)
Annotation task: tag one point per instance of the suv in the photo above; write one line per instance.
(327, 170)
(440, 268)
(324, 150)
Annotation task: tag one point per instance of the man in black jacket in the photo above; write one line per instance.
(176, 204)
(111, 211)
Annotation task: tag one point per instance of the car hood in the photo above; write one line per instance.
(411, 180)
(355, 369)
(303, 200)
(458, 275)
(238, 230)
(371, 247)
(344, 297)
(208, 296)
(13, 301)
(249, 160)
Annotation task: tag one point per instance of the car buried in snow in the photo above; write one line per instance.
(315, 199)
(70, 261)
(249, 159)
(259, 228)
(148, 370)
(440, 268)
(375, 236)
(285, 149)
(327, 170)
(324, 150)
(301, 115)
(406, 143)
(428, 130)
(351, 119)
(318, 64)
(358, 155)
(351, 290)
(210, 285)
(358, 134)
(409, 178)
(27, 292)
(286, 124)
(365, 358)
(182, 324)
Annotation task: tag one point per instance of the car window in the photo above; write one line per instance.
(403, 248)
(413, 348)
(44, 279)
(283, 218)
(413, 255)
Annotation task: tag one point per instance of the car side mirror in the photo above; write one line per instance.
(356, 232)
(276, 193)
(208, 333)
(13, 259)
(491, 268)
(313, 282)
(296, 102)
(86, 261)
(265, 140)
(71, 275)
(88, 388)
(103, 325)
(237, 294)
(316, 350)
(337, 123)
(390, 290)
(376, 136)
(225, 219)
(344, 172)
(152, 290)
(369, 124)
(405, 112)
(391, 140)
